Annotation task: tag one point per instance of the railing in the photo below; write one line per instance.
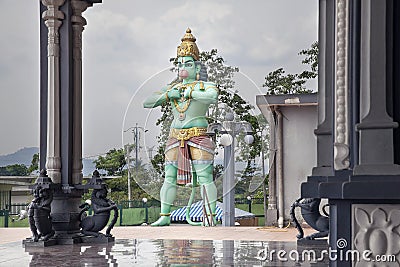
(246, 201)
(4, 213)
(14, 209)
(137, 212)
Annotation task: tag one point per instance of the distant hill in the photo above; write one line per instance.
(24, 156)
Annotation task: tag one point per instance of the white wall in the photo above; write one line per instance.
(299, 149)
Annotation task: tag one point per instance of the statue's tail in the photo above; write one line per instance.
(114, 220)
(294, 219)
(85, 207)
(191, 202)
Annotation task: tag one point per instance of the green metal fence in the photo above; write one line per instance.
(5, 215)
(132, 213)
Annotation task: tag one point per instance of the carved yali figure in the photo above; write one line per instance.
(189, 152)
(310, 212)
(102, 206)
(39, 214)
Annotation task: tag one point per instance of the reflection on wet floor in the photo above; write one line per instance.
(128, 252)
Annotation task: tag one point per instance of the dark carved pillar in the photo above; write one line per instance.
(326, 87)
(61, 110)
(363, 189)
(376, 151)
(324, 131)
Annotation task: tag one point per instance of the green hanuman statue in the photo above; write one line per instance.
(189, 152)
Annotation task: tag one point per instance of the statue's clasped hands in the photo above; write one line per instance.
(188, 93)
(174, 93)
(179, 92)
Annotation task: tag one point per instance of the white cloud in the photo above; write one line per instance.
(201, 12)
(126, 41)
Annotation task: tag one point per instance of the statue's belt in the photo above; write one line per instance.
(185, 134)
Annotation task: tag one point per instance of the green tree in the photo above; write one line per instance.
(311, 59)
(278, 82)
(34, 163)
(113, 162)
(14, 170)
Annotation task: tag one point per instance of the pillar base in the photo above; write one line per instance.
(272, 217)
(364, 213)
(316, 243)
(65, 212)
(103, 239)
(29, 243)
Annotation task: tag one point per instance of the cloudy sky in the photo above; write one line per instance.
(128, 41)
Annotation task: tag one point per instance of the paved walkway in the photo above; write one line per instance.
(187, 232)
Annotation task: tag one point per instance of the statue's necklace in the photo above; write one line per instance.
(183, 109)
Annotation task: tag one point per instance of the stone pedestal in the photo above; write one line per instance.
(29, 243)
(65, 212)
(97, 239)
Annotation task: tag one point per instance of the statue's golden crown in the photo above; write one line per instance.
(188, 47)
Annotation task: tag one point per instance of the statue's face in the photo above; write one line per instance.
(187, 68)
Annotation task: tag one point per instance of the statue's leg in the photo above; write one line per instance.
(167, 192)
(32, 226)
(203, 166)
(208, 190)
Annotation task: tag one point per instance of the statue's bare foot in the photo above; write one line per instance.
(209, 222)
(162, 221)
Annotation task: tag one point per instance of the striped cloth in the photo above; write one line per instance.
(196, 213)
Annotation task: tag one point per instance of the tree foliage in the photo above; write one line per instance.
(34, 163)
(278, 82)
(14, 170)
(21, 169)
(113, 162)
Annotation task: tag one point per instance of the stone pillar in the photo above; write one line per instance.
(326, 93)
(376, 151)
(65, 24)
(363, 189)
(78, 23)
(53, 19)
(324, 131)
(43, 90)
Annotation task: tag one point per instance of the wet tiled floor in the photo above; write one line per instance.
(145, 252)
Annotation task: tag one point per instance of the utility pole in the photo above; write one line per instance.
(128, 162)
(136, 148)
(135, 131)
(150, 151)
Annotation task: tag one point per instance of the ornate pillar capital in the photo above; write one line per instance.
(52, 9)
